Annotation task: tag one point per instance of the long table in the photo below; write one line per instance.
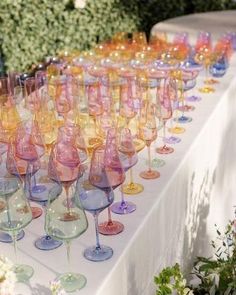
(175, 215)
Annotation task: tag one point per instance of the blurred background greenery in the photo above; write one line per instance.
(30, 30)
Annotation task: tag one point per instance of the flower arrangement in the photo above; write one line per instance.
(7, 276)
(215, 275)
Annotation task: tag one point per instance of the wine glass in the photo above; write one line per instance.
(90, 132)
(190, 65)
(5, 237)
(62, 97)
(9, 120)
(127, 108)
(94, 199)
(164, 103)
(15, 214)
(65, 163)
(32, 95)
(29, 147)
(115, 165)
(95, 107)
(41, 177)
(132, 187)
(72, 134)
(206, 57)
(148, 133)
(188, 81)
(178, 97)
(47, 125)
(98, 168)
(21, 168)
(66, 223)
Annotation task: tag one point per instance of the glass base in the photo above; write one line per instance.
(186, 108)
(47, 243)
(98, 254)
(156, 163)
(172, 140)
(132, 188)
(176, 130)
(6, 238)
(211, 81)
(125, 208)
(71, 282)
(183, 119)
(110, 228)
(193, 98)
(38, 189)
(206, 89)
(150, 174)
(164, 150)
(23, 272)
(36, 212)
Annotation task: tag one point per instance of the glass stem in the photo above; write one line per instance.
(149, 158)
(127, 122)
(183, 105)
(14, 240)
(123, 203)
(131, 173)
(13, 233)
(68, 243)
(67, 197)
(176, 116)
(44, 206)
(34, 181)
(109, 216)
(131, 176)
(98, 247)
(28, 181)
(206, 73)
(164, 132)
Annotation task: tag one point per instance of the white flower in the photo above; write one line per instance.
(80, 4)
(7, 277)
(56, 288)
(187, 291)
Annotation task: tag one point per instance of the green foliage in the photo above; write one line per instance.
(201, 6)
(217, 275)
(31, 30)
(169, 280)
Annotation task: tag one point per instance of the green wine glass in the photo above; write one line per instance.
(65, 221)
(15, 214)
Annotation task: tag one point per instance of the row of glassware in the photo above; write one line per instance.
(70, 133)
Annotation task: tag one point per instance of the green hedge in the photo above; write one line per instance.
(33, 29)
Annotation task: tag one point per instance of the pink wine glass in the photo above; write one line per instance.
(64, 165)
(18, 165)
(165, 107)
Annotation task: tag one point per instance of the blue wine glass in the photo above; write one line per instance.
(46, 242)
(94, 200)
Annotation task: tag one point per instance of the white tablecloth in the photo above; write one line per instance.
(216, 22)
(175, 215)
